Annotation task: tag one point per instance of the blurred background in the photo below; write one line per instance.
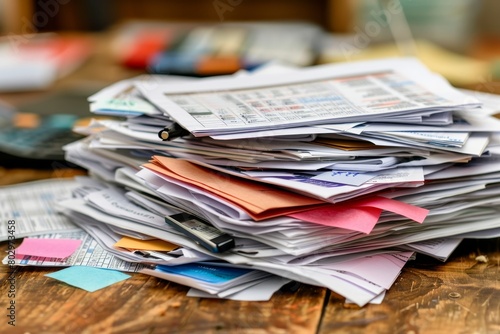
(427, 16)
(56, 53)
(345, 29)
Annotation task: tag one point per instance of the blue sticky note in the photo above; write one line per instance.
(88, 278)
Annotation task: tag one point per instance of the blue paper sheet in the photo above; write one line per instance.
(207, 273)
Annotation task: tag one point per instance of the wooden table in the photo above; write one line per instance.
(459, 296)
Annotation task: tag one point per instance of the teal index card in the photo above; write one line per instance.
(88, 278)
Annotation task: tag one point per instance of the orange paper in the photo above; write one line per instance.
(152, 245)
(260, 201)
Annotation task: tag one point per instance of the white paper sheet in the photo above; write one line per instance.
(29, 207)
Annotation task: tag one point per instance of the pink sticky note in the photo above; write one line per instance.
(361, 215)
(360, 219)
(401, 208)
(56, 248)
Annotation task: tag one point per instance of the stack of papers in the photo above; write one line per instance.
(334, 175)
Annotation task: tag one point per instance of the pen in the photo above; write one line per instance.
(172, 131)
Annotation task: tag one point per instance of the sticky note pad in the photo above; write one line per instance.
(88, 278)
(55, 248)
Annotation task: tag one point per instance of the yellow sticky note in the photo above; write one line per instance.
(153, 245)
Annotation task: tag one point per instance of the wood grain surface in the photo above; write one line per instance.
(459, 296)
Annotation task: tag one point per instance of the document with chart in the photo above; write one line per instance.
(377, 91)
